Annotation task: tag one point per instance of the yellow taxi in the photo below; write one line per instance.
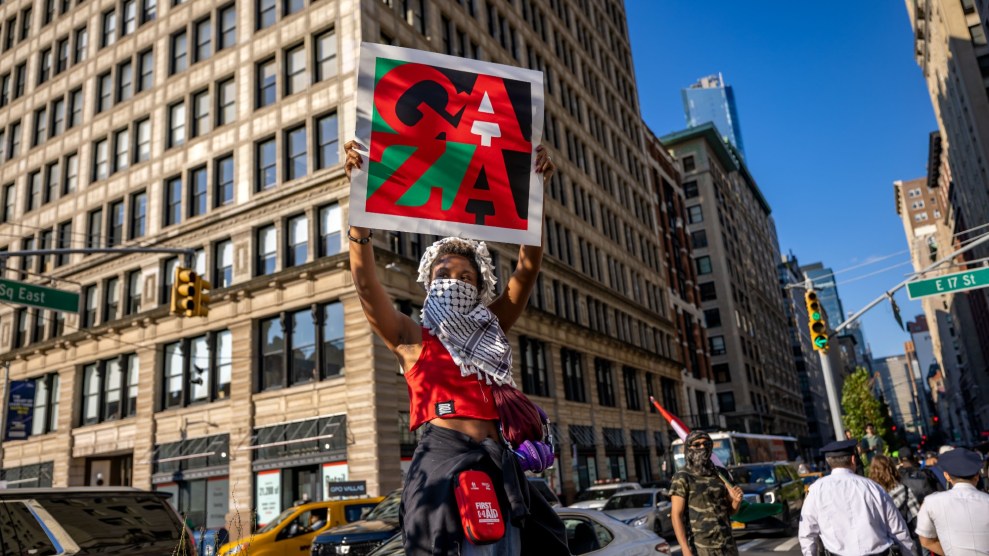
(293, 530)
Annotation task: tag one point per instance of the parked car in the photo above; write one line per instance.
(292, 531)
(542, 486)
(361, 537)
(647, 508)
(595, 497)
(91, 520)
(598, 534)
(588, 532)
(774, 483)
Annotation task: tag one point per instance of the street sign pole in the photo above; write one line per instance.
(3, 412)
(839, 427)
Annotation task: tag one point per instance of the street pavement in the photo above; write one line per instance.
(763, 546)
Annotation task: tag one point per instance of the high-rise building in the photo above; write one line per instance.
(710, 100)
(903, 394)
(700, 394)
(218, 127)
(951, 48)
(735, 254)
(806, 361)
(922, 208)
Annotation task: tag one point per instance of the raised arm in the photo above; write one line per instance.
(387, 322)
(509, 305)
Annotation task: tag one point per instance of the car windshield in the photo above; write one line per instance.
(629, 501)
(387, 510)
(597, 494)
(758, 474)
(278, 520)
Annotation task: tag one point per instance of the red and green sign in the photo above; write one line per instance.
(451, 144)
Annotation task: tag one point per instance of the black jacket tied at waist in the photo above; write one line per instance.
(430, 520)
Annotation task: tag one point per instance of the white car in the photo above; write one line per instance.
(598, 534)
(647, 508)
(595, 497)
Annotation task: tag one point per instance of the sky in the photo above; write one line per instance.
(833, 109)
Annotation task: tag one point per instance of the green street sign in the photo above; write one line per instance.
(960, 281)
(38, 296)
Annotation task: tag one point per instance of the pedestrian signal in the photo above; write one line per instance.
(818, 326)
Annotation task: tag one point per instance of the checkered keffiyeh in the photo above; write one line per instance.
(468, 330)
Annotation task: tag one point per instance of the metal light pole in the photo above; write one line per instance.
(833, 401)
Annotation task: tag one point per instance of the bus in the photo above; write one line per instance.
(735, 448)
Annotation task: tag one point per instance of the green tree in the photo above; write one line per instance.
(860, 406)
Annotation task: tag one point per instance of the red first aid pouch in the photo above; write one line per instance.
(480, 513)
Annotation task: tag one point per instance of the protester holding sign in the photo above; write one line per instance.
(461, 390)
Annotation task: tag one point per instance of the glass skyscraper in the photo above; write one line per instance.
(710, 100)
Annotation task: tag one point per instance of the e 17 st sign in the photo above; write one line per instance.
(960, 281)
(451, 146)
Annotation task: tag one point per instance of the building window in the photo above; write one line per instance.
(573, 375)
(296, 78)
(201, 122)
(173, 201)
(228, 27)
(168, 269)
(698, 239)
(722, 373)
(224, 177)
(633, 392)
(227, 109)
(80, 45)
(58, 117)
(121, 150)
(125, 81)
(204, 40)
(703, 265)
(297, 360)
(89, 306)
(296, 155)
(223, 258)
(94, 229)
(267, 80)
(535, 380)
(267, 250)
(717, 345)
(198, 186)
(9, 202)
(330, 224)
(134, 289)
(101, 161)
(138, 215)
(266, 13)
(298, 241)
(130, 17)
(40, 127)
(104, 92)
(176, 124)
(111, 299)
(605, 380)
(688, 164)
(267, 164)
(143, 140)
(109, 34)
(180, 52)
(45, 418)
(712, 317)
(197, 369)
(110, 389)
(146, 70)
(115, 232)
(690, 190)
(75, 108)
(149, 10)
(71, 181)
(726, 402)
(327, 141)
(708, 291)
(695, 214)
(326, 55)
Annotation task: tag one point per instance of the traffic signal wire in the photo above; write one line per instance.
(155, 347)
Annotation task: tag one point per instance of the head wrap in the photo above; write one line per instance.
(481, 256)
(699, 459)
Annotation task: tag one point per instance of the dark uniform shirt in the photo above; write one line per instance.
(708, 509)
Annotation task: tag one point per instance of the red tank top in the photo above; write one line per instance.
(437, 388)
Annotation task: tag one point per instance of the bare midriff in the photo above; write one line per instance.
(477, 429)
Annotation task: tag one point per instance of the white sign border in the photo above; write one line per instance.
(370, 52)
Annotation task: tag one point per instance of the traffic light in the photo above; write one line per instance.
(816, 322)
(188, 294)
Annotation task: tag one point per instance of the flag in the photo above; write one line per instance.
(680, 428)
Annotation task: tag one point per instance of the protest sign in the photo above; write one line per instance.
(450, 146)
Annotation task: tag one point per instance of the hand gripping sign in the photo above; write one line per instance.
(450, 145)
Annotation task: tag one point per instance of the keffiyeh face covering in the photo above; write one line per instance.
(468, 330)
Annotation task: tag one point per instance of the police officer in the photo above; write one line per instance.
(851, 515)
(956, 521)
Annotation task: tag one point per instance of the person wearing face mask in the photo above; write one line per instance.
(458, 369)
(702, 504)
(956, 521)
